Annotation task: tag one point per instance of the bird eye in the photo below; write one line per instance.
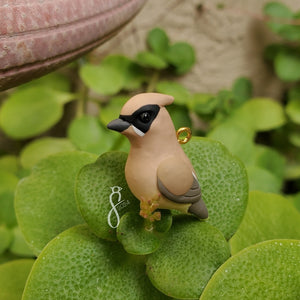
(145, 117)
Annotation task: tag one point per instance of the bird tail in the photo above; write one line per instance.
(199, 209)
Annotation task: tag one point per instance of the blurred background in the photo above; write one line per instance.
(233, 68)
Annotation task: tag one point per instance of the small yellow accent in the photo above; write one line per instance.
(182, 130)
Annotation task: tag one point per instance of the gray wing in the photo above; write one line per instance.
(191, 196)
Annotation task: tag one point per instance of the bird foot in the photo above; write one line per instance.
(148, 207)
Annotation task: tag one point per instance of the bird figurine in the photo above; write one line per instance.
(157, 170)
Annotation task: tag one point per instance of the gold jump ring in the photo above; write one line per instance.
(182, 130)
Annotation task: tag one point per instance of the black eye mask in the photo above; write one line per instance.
(143, 117)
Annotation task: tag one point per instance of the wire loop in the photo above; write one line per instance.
(181, 131)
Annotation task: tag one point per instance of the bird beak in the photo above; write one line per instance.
(118, 125)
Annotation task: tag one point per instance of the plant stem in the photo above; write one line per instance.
(82, 99)
(153, 82)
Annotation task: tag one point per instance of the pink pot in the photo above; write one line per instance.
(38, 36)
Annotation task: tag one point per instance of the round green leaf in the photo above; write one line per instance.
(38, 149)
(45, 203)
(294, 92)
(179, 92)
(103, 79)
(78, 265)
(242, 90)
(203, 104)
(293, 110)
(182, 56)
(5, 238)
(13, 276)
(292, 170)
(295, 199)
(112, 109)
(294, 138)
(19, 245)
(8, 183)
(263, 180)
(151, 60)
(9, 163)
(238, 140)
(133, 75)
(272, 50)
(269, 270)
(88, 135)
(29, 112)
(57, 81)
(139, 237)
(102, 194)
(268, 113)
(281, 19)
(190, 253)
(268, 216)
(287, 65)
(278, 10)
(158, 41)
(268, 158)
(179, 115)
(223, 180)
(281, 13)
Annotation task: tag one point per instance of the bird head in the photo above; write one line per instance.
(141, 113)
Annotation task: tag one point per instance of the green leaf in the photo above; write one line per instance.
(55, 80)
(292, 170)
(238, 140)
(102, 194)
(281, 18)
(269, 270)
(141, 238)
(5, 238)
(112, 109)
(29, 112)
(242, 90)
(9, 163)
(89, 268)
(278, 10)
(19, 245)
(44, 202)
(287, 65)
(269, 159)
(104, 79)
(223, 180)
(179, 92)
(151, 60)
(263, 180)
(293, 110)
(87, 134)
(8, 183)
(133, 75)
(203, 104)
(158, 41)
(268, 113)
(294, 93)
(225, 101)
(295, 199)
(179, 115)
(41, 148)
(13, 276)
(182, 56)
(110, 112)
(271, 51)
(294, 138)
(188, 256)
(268, 216)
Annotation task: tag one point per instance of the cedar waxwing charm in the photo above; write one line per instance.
(157, 170)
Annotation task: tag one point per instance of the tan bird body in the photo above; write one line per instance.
(157, 169)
